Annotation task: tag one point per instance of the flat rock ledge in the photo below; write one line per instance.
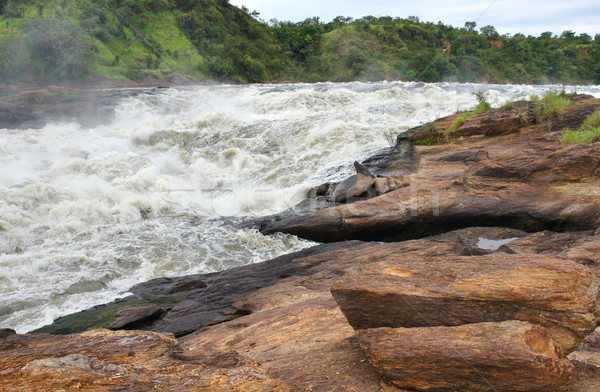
(497, 322)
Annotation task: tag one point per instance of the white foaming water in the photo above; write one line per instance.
(85, 213)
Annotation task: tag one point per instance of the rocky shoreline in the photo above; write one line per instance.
(88, 103)
(458, 260)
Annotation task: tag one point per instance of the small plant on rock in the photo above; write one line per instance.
(588, 132)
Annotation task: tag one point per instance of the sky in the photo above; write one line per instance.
(529, 17)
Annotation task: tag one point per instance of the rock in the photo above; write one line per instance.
(591, 342)
(72, 362)
(400, 160)
(405, 291)
(317, 191)
(352, 187)
(133, 318)
(506, 356)
(105, 360)
(466, 157)
(587, 368)
(361, 169)
(528, 181)
(272, 325)
(6, 332)
(381, 186)
(585, 251)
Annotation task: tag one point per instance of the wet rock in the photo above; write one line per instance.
(506, 356)
(5, 332)
(132, 318)
(405, 291)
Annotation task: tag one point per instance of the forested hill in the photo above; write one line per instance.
(63, 40)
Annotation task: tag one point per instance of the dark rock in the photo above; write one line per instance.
(465, 156)
(134, 318)
(395, 161)
(361, 169)
(506, 356)
(5, 332)
(591, 342)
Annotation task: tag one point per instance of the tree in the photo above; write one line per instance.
(490, 32)
(470, 26)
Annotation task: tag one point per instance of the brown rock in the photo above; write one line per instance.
(354, 186)
(405, 291)
(506, 356)
(381, 186)
(490, 123)
(104, 360)
(351, 187)
(529, 182)
(587, 368)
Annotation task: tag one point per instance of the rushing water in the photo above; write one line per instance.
(85, 213)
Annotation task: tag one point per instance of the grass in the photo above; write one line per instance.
(509, 105)
(552, 104)
(460, 120)
(427, 141)
(588, 132)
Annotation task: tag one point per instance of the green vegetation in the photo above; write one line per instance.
(588, 132)
(102, 316)
(427, 141)
(551, 105)
(58, 40)
(482, 106)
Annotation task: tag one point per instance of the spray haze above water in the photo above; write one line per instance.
(87, 212)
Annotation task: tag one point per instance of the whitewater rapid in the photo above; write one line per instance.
(87, 212)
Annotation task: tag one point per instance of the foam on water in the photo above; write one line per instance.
(85, 213)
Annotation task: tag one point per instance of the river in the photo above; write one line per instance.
(87, 212)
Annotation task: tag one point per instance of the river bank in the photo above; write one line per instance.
(507, 213)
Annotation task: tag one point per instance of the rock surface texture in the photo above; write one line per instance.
(519, 356)
(453, 304)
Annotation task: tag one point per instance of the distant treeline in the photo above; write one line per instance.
(59, 40)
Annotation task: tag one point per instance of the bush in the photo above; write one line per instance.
(134, 71)
(50, 50)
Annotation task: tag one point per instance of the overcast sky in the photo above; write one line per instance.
(530, 17)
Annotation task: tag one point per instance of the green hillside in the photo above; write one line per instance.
(62, 40)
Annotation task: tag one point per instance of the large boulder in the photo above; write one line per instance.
(506, 356)
(405, 291)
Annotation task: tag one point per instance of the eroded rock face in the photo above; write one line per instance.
(527, 180)
(404, 291)
(506, 356)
